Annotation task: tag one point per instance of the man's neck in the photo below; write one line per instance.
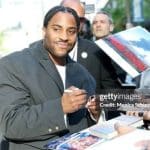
(98, 38)
(57, 60)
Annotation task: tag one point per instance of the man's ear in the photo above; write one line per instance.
(111, 27)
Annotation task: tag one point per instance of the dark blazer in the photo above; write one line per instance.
(101, 68)
(98, 64)
(30, 98)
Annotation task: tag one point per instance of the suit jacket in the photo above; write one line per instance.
(30, 97)
(98, 64)
(101, 68)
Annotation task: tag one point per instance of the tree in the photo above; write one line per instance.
(121, 13)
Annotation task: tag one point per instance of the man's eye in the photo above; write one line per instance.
(56, 29)
(95, 22)
(72, 32)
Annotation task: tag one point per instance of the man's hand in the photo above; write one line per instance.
(123, 129)
(73, 99)
(93, 105)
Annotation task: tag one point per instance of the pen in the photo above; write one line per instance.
(68, 91)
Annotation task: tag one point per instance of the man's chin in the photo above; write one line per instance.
(62, 55)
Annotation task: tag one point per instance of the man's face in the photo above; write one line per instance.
(60, 35)
(101, 26)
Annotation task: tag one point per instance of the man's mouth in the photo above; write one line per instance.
(98, 30)
(62, 44)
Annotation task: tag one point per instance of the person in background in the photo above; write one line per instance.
(88, 54)
(85, 31)
(43, 93)
(102, 26)
(78, 7)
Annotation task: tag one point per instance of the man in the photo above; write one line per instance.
(34, 106)
(102, 26)
(91, 56)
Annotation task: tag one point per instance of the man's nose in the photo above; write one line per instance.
(64, 35)
(98, 23)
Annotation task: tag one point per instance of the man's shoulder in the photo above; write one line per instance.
(14, 55)
(87, 43)
(18, 58)
(92, 48)
(22, 55)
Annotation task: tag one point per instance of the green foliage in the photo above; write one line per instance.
(119, 19)
(146, 6)
(118, 13)
(117, 8)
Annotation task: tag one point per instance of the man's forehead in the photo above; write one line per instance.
(59, 15)
(101, 17)
(60, 18)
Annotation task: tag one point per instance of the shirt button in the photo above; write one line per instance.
(50, 130)
(57, 128)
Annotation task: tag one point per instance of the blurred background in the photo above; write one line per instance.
(21, 21)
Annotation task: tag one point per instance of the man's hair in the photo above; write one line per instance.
(107, 14)
(57, 9)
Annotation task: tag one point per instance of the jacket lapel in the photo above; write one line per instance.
(81, 48)
(42, 56)
(52, 71)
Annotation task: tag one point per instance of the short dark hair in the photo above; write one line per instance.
(56, 9)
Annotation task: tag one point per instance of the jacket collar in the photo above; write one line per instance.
(41, 55)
